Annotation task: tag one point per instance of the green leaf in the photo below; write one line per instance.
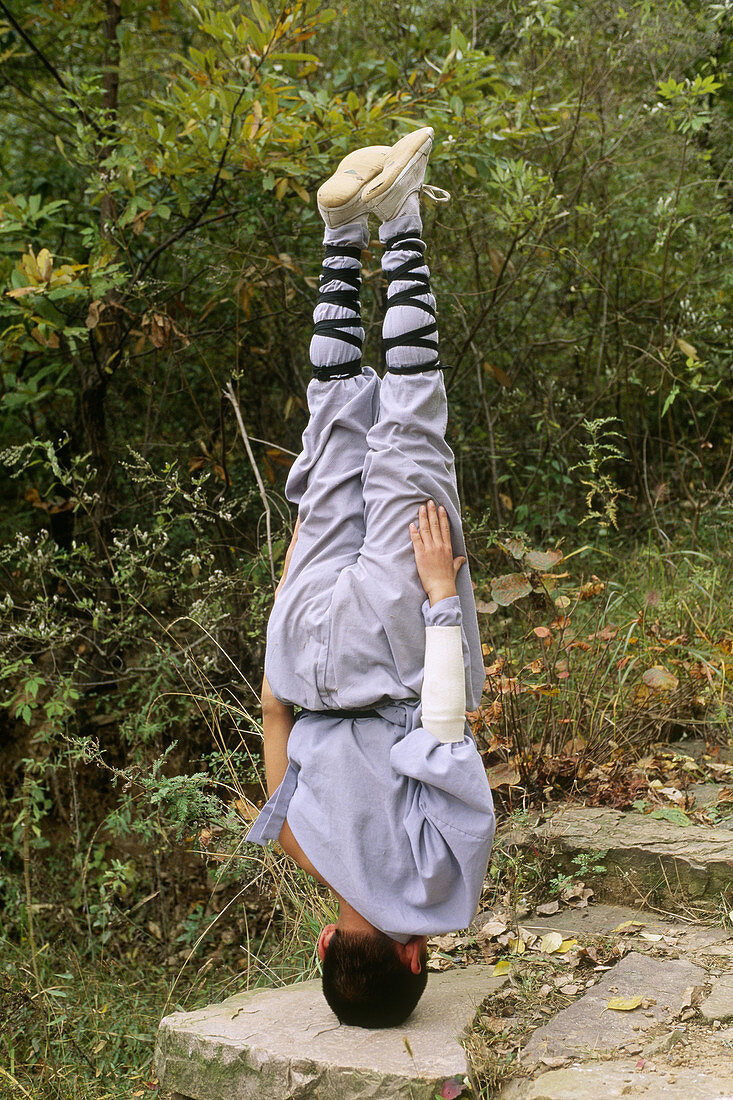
(671, 397)
(671, 814)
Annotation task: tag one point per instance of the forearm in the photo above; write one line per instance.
(277, 722)
(443, 693)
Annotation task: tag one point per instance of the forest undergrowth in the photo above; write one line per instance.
(598, 667)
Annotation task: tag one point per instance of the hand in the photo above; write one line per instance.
(436, 566)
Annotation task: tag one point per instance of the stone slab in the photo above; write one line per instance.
(707, 794)
(719, 1005)
(588, 1027)
(643, 853)
(277, 1043)
(621, 1081)
(600, 919)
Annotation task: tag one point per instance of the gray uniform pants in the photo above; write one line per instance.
(347, 629)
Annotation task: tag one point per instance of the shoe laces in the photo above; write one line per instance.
(437, 194)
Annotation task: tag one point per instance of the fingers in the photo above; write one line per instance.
(415, 534)
(434, 521)
(444, 525)
(426, 532)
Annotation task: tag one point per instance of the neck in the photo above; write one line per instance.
(351, 921)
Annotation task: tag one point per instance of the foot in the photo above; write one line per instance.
(340, 198)
(397, 188)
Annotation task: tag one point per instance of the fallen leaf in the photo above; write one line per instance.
(565, 946)
(548, 908)
(502, 775)
(660, 679)
(627, 927)
(502, 967)
(672, 814)
(491, 929)
(452, 1088)
(624, 1004)
(550, 942)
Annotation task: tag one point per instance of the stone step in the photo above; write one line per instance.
(646, 858)
(622, 1081)
(589, 1028)
(273, 1044)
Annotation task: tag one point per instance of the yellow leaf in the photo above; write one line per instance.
(502, 967)
(281, 187)
(566, 945)
(517, 946)
(20, 291)
(551, 942)
(29, 264)
(300, 191)
(687, 349)
(496, 260)
(624, 1004)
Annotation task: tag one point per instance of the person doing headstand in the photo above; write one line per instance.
(377, 788)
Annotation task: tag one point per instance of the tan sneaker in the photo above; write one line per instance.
(389, 193)
(340, 198)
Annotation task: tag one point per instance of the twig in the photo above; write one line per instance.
(231, 396)
(27, 882)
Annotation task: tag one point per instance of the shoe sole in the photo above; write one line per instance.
(395, 175)
(336, 200)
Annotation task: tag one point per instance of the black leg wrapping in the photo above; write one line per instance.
(415, 338)
(339, 328)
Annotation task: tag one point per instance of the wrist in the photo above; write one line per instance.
(441, 592)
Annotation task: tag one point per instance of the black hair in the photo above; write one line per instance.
(366, 983)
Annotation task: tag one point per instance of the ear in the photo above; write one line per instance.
(324, 939)
(409, 953)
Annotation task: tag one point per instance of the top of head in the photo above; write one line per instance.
(366, 983)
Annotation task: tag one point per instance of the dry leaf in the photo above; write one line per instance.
(551, 942)
(502, 967)
(660, 679)
(543, 559)
(628, 927)
(548, 908)
(687, 349)
(491, 929)
(505, 590)
(624, 1004)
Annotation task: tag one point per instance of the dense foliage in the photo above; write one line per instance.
(159, 247)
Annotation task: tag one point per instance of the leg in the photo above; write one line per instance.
(325, 480)
(408, 462)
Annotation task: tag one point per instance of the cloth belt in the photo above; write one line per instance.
(381, 710)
